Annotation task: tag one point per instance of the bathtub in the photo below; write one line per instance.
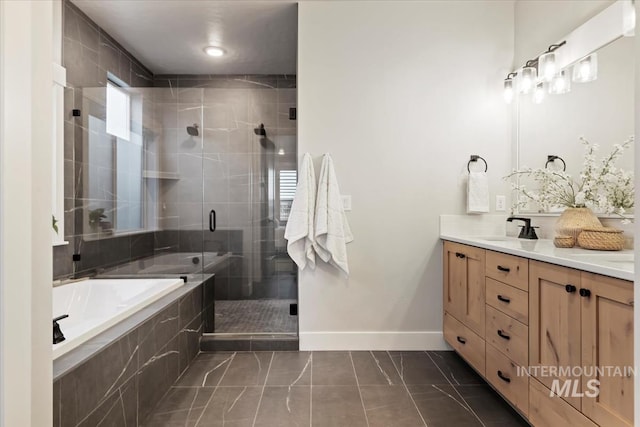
(173, 263)
(95, 305)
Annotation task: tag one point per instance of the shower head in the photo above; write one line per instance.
(261, 131)
(193, 130)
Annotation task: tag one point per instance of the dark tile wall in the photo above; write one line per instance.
(122, 383)
(89, 54)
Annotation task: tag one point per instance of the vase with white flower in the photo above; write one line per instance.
(600, 186)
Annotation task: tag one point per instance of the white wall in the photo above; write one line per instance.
(540, 23)
(25, 204)
(400, 94)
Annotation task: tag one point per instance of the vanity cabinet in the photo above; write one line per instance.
(541, 315)
(464, 285)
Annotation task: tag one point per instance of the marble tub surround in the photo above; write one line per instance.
(117, 377)
(332, 389)
(618, 264)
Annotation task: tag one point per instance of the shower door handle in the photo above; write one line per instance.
(212, 220)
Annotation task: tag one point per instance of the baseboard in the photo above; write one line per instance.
(397, 341)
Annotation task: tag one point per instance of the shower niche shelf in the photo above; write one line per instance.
(159, 175)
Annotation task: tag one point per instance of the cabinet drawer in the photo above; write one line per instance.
(509, 300)
(507, 335)
(502, 373)
(469, 345)
(547, 411)
(508, 269)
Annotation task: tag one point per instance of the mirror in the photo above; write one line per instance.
(601, 111)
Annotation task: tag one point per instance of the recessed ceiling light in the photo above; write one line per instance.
(214, 51)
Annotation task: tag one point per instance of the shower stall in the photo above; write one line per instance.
(208, 167)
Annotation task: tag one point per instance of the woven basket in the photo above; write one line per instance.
(601, 239)
(564, 241)
(573, 220)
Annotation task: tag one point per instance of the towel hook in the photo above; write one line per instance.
(552, 158)
(475, 158)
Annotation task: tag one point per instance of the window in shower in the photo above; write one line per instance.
(114, 173)
(286, 192)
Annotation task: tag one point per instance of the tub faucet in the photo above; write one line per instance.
(526, 231)
(58, 336)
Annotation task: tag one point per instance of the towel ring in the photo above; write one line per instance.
(475, 158)
(552, 158)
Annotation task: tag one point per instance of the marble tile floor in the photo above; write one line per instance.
(331, 389)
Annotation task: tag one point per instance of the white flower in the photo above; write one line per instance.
(601, 184)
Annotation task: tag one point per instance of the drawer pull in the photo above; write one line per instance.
(505, 269)
(585, 292)
(503, 299)
(461, 340)
(503, 378)
(460, 255)
(503, 335)
(570, 288)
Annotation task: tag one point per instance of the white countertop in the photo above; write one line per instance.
(618, 264)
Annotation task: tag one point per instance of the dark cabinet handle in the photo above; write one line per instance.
(461, 340)
(570, 288)
(585, 292)
(503, 378)
(460, 255)
(503, 335)
(503, 299)
(505, 269)
(212, 220)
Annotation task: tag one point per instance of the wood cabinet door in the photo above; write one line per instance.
(464, 285)
(455, 272)
(554, 325)
(607, 343)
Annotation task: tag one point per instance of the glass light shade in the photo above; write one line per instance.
(527, 79)
(281, 152)
(561, 83)
(538, 93)
(508, 91)
(547, 66)
(586, 70)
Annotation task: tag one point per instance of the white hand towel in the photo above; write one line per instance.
(299, 231)
(332, 228)
(478, 193)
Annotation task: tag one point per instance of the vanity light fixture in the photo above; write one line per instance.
(534, 71)
(561, 83)
(508, 87)
(528, 77)
(281, 152)
(214, 51)
(547, 67)
(538, 93)
(586, 70)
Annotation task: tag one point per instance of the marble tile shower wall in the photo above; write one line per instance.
(90, 55)
(235, 167)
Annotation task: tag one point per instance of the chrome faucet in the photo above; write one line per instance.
(526, 231)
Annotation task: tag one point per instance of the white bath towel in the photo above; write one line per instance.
(299, 231)
(332, 228)
(478, 193)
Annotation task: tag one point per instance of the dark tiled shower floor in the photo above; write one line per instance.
(254, 316)
(332, 389)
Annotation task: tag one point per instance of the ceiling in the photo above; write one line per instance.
(168, 36)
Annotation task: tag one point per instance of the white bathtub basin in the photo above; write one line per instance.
(95, 305)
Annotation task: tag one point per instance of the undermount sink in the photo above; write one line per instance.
(620, 260)
(495, 238)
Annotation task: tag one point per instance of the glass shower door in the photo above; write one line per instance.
(248, 160)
